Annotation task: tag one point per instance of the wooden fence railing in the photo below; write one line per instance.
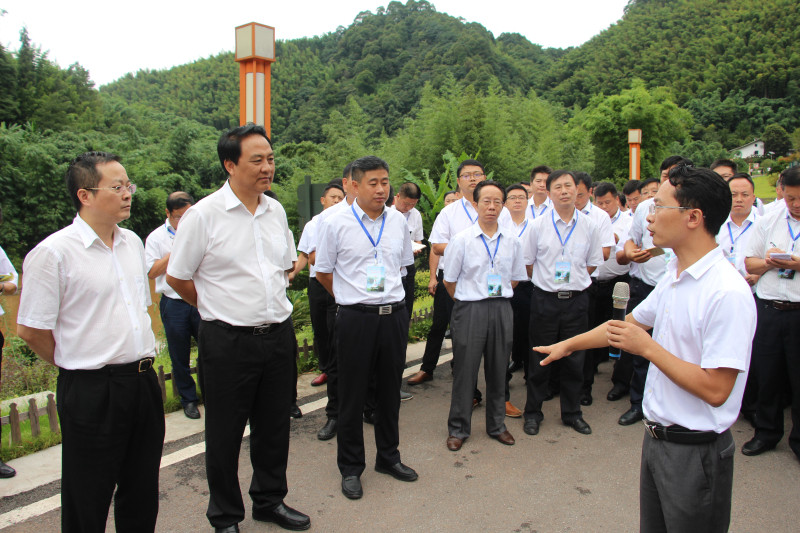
(15, 417)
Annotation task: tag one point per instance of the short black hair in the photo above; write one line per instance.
(390, 197)
(410, 190)
(557, 174)
(673, 160)
(469, 163)
(790, 177)
(178, 200)
(330, 186)
(541, 169)
(476, 194)
(82, 173)
(229, 146)
(744, 176)
(336, 181)
(725, 163)
(585, 178)
(622, 200)
(448, 193)
(348, 170)
(271, 194)
(703, 189)
(514, 187)
(631, 187)
(648, 181)
(605, 187)
(362, 165)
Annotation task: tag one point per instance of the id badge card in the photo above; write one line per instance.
(732, 259)
(668, 255)
(563, 269)
(495, 285)
(376, 278)
(785, 273)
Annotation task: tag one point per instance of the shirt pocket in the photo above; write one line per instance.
(278, 252)
(391, 250)
(141, 286)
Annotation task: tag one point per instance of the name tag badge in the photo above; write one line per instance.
(495, 285)
(563, 268)
(376, 278)
(785, 273)
(732, 259)
(668, 255)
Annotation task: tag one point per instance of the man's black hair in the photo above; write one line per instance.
(336, 181)
(390, 198)
(361, 166)
(476, 194)
(82, 173)
(790, 177)
(725, 163)
(585, 178)
(631, 187)
(703, 189)
(516, 186)
(674, 160)
(541, 169)
(330, 186)
(229, 146)
(348, 169)
(448, 193)
(469, 163)
(644, 183)
(410, 190)
(179, 200)
(557, 174)
(744, 176)
(605, 187)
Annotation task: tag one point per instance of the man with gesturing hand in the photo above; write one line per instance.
(699, 352)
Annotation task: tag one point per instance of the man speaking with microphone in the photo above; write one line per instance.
(700, 353)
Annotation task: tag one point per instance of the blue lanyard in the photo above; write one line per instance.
(533, 212)
(380, 234)
(170, 230)
(730, 233)
(523, 228)
(563, 241)
(496, 246)
(619, 214)
(791, 233)
(464, 205)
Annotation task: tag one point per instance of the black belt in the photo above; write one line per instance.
(781, 305)
(617, 279)
(561, 295)
(385, 309)
(678, 434)
(263, 329)
(134, 368)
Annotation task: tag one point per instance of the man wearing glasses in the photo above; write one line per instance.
(84, 309)
(699, 354)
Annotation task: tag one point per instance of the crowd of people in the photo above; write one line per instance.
(523, 276)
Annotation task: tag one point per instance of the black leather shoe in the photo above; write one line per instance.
(513, 366)
(351, 487)
(397, 471)
(631, 416)
(328, 431)
(230, 529)
(369, 417)
(6, 471)
(191, 410)
(579, 425)
(531, 427)
(756, 446)
(586, 398)
(617, 392)
(284, 516)
(295, 412)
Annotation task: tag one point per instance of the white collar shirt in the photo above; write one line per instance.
(759, 206)
(346, 251)
(470, 263)
(93, 298)
(414, 221)
(308, 237)
(517, 230)
(237, 260)
(620, 224)
(733, 240)
(653, 270)
(772, 231)
(603, 223)
(533, 211)
(7, 268)
(775, 204)
(451, 220)
(706, 316)
(322, 219)
(542, 248)
(157, 245)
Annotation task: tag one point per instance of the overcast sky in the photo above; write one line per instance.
(112, 38)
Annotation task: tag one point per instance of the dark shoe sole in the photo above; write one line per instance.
(284, 525)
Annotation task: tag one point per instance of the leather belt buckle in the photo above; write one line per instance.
(385, 310)
(145, 365)
(261, 330)
(564, 295)
(651, 428)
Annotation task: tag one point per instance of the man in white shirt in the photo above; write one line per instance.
(632, 196)
(84, 309)
(699, 353)
(8, 286)
(359, 260)
(776, 348)
(484, 264)
(230, 258)
(181, 320)
(539, 201)
(562, 249)
(405, 202)
(778, 203)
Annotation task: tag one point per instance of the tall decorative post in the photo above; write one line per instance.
(634, 150)
(255, 53)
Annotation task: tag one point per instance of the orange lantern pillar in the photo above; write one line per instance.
(255, 53)
(634, 151)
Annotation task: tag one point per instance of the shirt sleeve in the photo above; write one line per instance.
(151, 254)
(645, 312)
(189, 247)
(530, 244)
(407, 256)
(605, 232)
(6, 267)
(327, 246)
(307, 236)
(41, 300)
(518, 271)
(148, 300)
(636, 232)
(727, 337)
(455, 258)
(757, 245)
(418, 235)
(594, 257)
(440, 234)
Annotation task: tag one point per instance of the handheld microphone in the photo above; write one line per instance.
(620, 297)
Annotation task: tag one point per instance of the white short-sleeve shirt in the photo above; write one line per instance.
(308, 237)
(470, 263)
(157, 245)
(414, 221)
(93, 298)
(706, 316)
(533, 211)
(451, 220)
(7, 268)
(653, 270)
(620, 224)
(238, 260)
(772, 231)
(733, 240)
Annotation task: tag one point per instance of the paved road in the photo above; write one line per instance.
(558, 481)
